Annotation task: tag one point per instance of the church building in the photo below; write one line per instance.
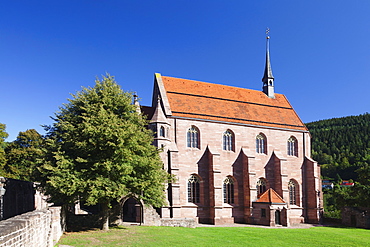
(238, 155)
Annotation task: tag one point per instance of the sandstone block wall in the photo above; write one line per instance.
(32, 229)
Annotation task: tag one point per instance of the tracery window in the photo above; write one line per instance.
(293, 192)
(261, 186)
(292, 146)
(193, 137)
(229, 190)
(193, 189)
(228, 140)
(261, 144)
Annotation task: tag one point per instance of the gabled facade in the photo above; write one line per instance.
(228, 147)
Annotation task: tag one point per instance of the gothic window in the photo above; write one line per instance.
(193, 137)
(193, 189)
(293, 192)
(261, 186)
(162, 132)
(261, 144)
(228, 140)
(229, 190)
(292, 146)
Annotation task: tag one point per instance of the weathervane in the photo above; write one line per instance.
(267, 33)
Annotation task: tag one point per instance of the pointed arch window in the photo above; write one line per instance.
(261, 144)
(293, 192)
(193, 189)
(261, 186)
(162, 132)
(229, 190)
(292, 146)
(193, 137)
(228, 140)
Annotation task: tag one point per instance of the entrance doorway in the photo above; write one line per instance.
(277, 217)
(132, 211)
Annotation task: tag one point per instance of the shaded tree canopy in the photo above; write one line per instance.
(99, 149)
(23, 155)
(3, 136)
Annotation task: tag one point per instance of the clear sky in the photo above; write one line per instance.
(48, 49)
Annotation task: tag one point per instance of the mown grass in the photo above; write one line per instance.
(219, 236)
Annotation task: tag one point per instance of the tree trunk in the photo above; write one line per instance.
(105, 216)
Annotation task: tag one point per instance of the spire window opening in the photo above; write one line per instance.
(162, 132)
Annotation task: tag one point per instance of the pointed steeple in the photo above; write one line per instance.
(158, 116)
(136, 103)
(268, 78)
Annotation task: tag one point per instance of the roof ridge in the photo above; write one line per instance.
(233, 100)
(214, 83)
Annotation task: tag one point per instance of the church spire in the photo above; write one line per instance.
(268, 78)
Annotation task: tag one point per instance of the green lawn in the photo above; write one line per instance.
(219, 236)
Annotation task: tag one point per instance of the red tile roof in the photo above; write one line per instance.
(202, 100)
(270, 196)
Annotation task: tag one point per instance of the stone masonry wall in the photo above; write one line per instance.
(32, 229)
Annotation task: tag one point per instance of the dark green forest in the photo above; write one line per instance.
(342, 147)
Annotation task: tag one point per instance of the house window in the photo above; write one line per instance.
(229, 190)
(261, 144)
(193, 189)
(292, 146)
(228, 141)
(261, 186)
(162, 132)
(293, 192)
(193, 137)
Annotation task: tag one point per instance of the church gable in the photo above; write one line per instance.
(215, 102)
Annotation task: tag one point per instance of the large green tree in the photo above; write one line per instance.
(3, 136)
(23, 154)
(100, 150)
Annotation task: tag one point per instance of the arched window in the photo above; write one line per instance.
(293, 192)
(261, 144)
(193, 137)
(193, 189)
(261, 186)
(162, 132)
(229, 190)
(228, 140)
(292, 146)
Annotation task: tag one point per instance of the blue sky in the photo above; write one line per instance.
(49, 49)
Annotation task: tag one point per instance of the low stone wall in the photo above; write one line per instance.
(39, 228)
(178, 222)
(356, 217)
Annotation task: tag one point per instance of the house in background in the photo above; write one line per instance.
(239, 155)
(327, 184)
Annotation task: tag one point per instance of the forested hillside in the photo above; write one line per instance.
(341, 145)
